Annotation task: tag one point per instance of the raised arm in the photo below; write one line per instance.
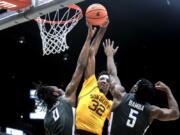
(117, 90)
(90, 69)
(165, 114)
(110, 52)
(100, 34)
(70, 93)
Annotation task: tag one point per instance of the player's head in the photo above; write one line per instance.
(48, 95)
(104, 82)
(144, 90)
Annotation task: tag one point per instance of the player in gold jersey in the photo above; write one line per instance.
(93, 107)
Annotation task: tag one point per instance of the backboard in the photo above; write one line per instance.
(38, 8)
(40, 2)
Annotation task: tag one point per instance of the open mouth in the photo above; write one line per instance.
(103, 86)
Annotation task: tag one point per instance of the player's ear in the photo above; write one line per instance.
(55, 93)
(134, 88)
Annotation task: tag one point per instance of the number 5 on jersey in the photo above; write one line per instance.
(132, 118)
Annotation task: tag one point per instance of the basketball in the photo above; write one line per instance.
(96, 14)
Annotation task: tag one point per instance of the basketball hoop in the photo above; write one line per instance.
(55, 26)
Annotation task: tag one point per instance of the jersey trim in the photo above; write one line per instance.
(74, 119)
(88, 93)
(110, 123)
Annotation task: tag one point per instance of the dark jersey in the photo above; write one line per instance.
(130, 117)
(59, 119)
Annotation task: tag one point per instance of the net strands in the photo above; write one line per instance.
(54, 31)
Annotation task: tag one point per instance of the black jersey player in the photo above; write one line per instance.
(131, 112)
(59, 118)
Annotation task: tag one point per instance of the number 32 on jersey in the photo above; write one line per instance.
(97, 107)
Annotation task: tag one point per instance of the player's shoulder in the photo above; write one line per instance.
(91, 80)
(91, 77)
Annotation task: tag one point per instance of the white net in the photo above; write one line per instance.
(54, 29)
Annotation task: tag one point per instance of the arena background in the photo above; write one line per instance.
(146, 31)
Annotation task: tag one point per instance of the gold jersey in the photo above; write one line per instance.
(93, 107)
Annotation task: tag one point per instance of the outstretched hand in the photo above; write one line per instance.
(109, 47)
(105, 24)
(161, 86)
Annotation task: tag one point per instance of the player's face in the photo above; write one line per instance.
(103, 83)
(135, 87)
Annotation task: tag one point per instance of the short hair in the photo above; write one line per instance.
(103, 73)
(145, 91)
(45, 96)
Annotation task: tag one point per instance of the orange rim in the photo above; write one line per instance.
(75, 7)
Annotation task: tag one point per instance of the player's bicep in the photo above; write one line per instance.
(115, 78)
(73, 84)
(163, 114)
(116, 88)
